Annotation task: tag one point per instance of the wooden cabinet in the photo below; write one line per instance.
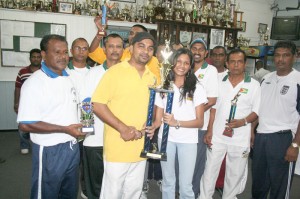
(170, 29)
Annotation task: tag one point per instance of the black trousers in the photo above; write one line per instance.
(93, 169)
(270, 171)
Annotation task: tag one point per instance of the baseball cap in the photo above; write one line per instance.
(199, 40)
(141, 36)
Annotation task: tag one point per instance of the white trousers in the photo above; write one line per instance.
(122, 180)
(235, 174)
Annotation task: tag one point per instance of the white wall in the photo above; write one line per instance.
(77, 26)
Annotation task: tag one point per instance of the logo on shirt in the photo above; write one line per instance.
(244, 90)
(74, 95)
(245, 154)
(284, 90)
(201, 76)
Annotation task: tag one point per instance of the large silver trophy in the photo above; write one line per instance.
(151, 150)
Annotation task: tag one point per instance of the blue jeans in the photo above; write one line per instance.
(187, 153)
(24, 139)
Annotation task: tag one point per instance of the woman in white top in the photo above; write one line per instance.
(186, 118)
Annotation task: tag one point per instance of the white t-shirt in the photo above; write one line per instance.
(278, 103)
(51, 100)
(221, 75)
(93, 78)
(183, 111)
(248, 102)
(77, 75)
(208, 77)
(260, 74)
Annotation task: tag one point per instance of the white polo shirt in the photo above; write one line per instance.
(183, 111)
(50, 98)
(93, 78)
(248, 102)
(278, 102)
(221, 75)
(78, 76)
(208, 77)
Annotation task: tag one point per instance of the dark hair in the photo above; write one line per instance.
(191, 80)
(236, 51)
(78, 39)
(45, 41)
(35, 50)
(112, 35)
(286, 44)
(219, 47)
(141, 26)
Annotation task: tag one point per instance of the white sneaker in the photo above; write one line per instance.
(83, 196)
(146, 186)
(24, 151)
(159, 184)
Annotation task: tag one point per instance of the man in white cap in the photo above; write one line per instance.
(208, 76)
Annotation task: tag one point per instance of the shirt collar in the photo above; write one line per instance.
(50, 73)
(247, 78)
(104, 65)
(204, 65)
(71, 66)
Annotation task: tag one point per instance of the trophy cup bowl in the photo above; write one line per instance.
(178, 8)
(188, 8)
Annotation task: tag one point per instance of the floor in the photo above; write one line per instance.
(15, 173)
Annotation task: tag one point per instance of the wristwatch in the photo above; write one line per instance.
(177, 125)
(295, 145)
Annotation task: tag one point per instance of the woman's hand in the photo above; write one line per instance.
(169, 119)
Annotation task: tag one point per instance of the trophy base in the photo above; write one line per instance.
(87, 130)
(152, 155)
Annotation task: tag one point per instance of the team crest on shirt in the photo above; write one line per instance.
(244, 90)
(201, 76)
(284, 90)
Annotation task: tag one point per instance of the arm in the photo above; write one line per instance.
(46, 128)
(196, 123)
(292, 152)
(211, 102)
(253, 128)
(16, 99)
(236, 123)
(208, 135)
(127, 132)
(98, 37)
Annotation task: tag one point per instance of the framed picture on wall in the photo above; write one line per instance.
(243, 25)
(217, 38)
(66, 7)
(262, 28)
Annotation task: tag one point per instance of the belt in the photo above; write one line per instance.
(284, 131)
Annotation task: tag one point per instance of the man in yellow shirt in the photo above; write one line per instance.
(97, 54)
(121, 101)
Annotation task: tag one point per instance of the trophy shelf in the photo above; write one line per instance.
(171, 28)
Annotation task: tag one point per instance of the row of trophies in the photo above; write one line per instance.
(206, 12)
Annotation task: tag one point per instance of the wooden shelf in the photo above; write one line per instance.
(167, 28)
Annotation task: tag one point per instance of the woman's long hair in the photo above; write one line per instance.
(190, 81)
